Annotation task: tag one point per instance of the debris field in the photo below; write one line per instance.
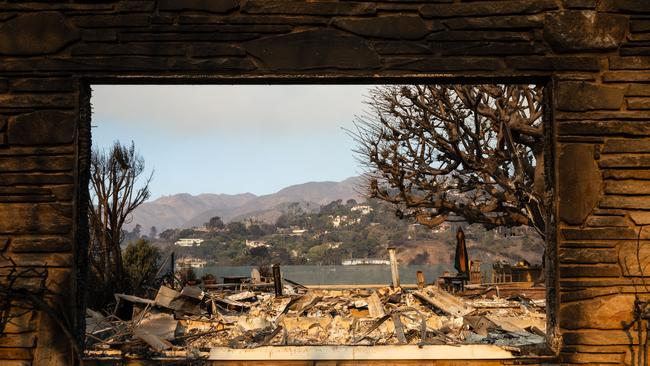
(190, 322)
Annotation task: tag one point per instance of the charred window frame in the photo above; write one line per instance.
(82, 174)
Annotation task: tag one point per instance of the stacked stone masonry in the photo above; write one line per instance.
(594, 57)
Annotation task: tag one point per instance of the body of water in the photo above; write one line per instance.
(338, 274)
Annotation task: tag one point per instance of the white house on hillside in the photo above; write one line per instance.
(188, 242)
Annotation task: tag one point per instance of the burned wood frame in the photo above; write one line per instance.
(84, 141)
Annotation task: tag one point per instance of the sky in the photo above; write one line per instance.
(232, 138)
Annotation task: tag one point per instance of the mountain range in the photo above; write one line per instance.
(184, 210)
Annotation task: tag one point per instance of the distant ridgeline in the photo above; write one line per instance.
(341, 231)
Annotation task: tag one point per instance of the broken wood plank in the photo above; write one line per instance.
(375, 307)
(444, 301)
(192, 292)
(399, 329)
(155, 342)
(244, 295)
(161, 325)
(165, 296)
(309, 305)
(374, 326)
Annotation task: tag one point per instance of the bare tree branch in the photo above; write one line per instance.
(473, 151)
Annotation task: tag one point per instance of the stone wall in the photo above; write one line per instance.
(594, 55)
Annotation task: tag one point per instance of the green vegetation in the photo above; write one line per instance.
(141, 261)
(344, 230)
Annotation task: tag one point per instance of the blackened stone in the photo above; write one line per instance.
(190, 36)
(308, 8)
(580, 4)
(30, 179)
(626, 145)
(401, 48)
(580, 182)
(638, 103)
(496, 22)
(639, 25)
(4, 85)
(487, 8)
(29, 218)
(475, 48)
(3, 122)
(481, 35)
(629, 63)
(216, 49)
(222, 28)
(37, 100)
(619, 76)
(625, 161)
(584, 30)
(214, 64)
(563, 63)
(99, 35)
(42, 127)
(134, 49)
(627, 202)
(634, 51)
(614, 233)
(607, 221)
(604, 128)
(31, 163)
(391, 27)
(627, 186)
(314, 49)
(578, 96)
(220, 6)
(112, 20)
(42, 84)
(432, 64)
(40, 244)
(633, 6)
(603, 270)
(36, 33)
(134, 6)
(588, 255)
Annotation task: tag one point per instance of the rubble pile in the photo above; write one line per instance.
(192, 321)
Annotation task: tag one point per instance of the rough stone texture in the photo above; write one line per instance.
(47, 218)
(581, 191)
(486, 8)
(221, 6)
(582, 96)
(627, 146)
(600, 313)
(634, 258)
(632, 187)
(313, 49)
(640, 217)
(42, 127)
(391, 27)
(583, 30)
(631, 6)
(596, 53)
(308, 8)
(36, 33)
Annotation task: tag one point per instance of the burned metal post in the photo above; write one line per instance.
(420, 278)
(277, 280)
(394, 271)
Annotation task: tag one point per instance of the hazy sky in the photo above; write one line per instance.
(232, 139)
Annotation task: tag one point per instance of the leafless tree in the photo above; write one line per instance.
(115, 192)
(474, 151)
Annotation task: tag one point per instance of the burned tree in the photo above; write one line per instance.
(474, 151)
(114, 193)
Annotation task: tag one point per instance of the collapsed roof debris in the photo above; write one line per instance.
(191, 322)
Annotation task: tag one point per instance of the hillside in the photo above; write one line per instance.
(184, 210)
